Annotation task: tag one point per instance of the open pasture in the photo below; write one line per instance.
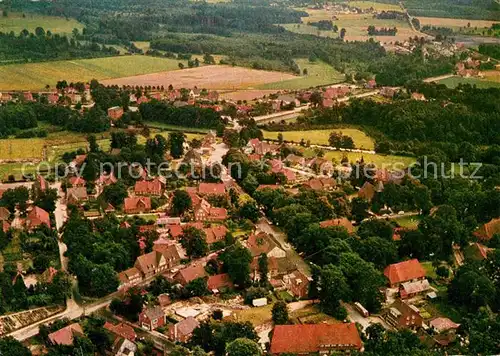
(318, 74)
(16, 22)
(34, 76)
(210, 77)
(320, 137)
(356, 26)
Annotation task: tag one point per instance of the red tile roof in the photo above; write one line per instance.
(212, 188)
(123, 330)
(343, 222)
(132, 203)
(76, 181)
(404, 271)
(489, 229)
(303, 339)
(190, 273)
(219, 281)
(147, 187)
(65, 335)
(37, 216)
(215, 234)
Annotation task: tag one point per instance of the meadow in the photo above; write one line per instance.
(490, 81)
(454, 23)
(35, 76)
(380, 161)
(16, 22)
(320, 137)
(377, 6)
(318, 74)
(355, 24)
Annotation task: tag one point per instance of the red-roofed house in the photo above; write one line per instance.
(211, 189)
(152, 318)
(297, 283)
(218, 282)
(263, 243)
(65, 336)
(123, 330)
(129, 277)
(77, 181)
(4, 213)
(115, 112)
(36, 217)
(215, 234)
(489, 229)
(182, 331)
(307, 339)
(440, 325)
(40, 183)
(407, 271)
(186, 275)
(342, 222)
(152, 187)
(135, 205)
(403, 316)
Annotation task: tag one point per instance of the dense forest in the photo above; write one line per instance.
(43, 45)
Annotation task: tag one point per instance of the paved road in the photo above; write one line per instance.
(355, 317)
(438, 78)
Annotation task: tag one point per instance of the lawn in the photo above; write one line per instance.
(318, 74)
(16, 22)
(380, 161)
(257, 316)
(480, 83)
(33, 76)
(408, 222)
(430, 271)
(176, 128)
(311, 315)
(320, 137)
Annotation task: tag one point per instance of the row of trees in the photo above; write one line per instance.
(42, 46)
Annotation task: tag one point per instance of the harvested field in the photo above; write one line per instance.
(210, 77)
(247, 95)
(454, 23)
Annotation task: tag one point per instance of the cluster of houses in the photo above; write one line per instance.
(469, 68)
(68, 96)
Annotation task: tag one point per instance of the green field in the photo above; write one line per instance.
(320, 137)
(381, 161)
(33, 76)
(16, 22)
(318, 73)
(378, 6)
(480, 83)
(355, 24)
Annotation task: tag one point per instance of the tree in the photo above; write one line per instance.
(316, 98)
(231, 138)
(263, 269)
(194, 242)
(331, 288)
(236, 261)
(280, 313)
(359, 209)
(471, 288)
(181, 202)
(342, 33)
(381, 252)
(176, 141)
(304, 71)
(243, 347)
(18, 196)
(280, 138)
(181, 65)
(93, 145)
(196, 288)
(208, 59)
(115, 194)
(250, 211)
(46, 199)
(11, 347)
(39, 32)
